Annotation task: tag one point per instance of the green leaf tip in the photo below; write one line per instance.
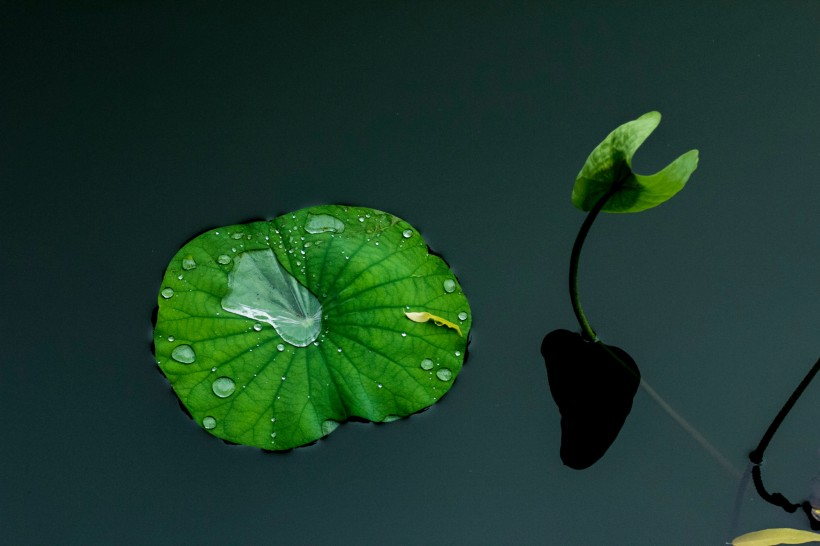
(273, 333)
(610, 165)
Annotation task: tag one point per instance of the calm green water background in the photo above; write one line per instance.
(126, 130)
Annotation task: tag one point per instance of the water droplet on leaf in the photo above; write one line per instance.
(449, 286)
(444, 374)
(184, 354)
(329, 426)
(188, 263)
(261, 289)
(209, 422)
(321, 223)
(427, 364)
(167, 293)
(223, 387)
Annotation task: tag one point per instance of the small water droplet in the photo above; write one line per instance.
(458, 353)
(339, 350)
(444, 374)
(223, 259)
(380, 385)
(236, 236)
(257, 327)
(273, 419)
(407, 233)
(184, 354)
(167, 293)
(209, 422)
(329, 426)
(462, 316)
(427, 364)
(449, 286)
(361, 219)
(280, 347)
(171, 338)
(273, 435)
(223, 387)
(404, 334)
(188, 263)
(179, 277)
(283, 378)
(390, 418)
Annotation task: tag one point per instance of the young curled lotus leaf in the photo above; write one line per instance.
(610, 164)
(291, 326)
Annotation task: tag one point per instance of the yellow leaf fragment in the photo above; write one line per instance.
(773, 537)
(424, 316)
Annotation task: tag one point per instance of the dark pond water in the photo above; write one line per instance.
(124, 131)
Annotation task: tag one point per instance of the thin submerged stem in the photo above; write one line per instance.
(590, 335)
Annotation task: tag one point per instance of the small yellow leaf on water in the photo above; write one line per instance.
(773, 537)
(438, 321)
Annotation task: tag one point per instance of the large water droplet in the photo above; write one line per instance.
(257, 327)
(167, 293)
(462, 316)
(407, 233)
(184, 354)
(223, 387)
(261, 289)
(223, 259)
(209, 422)
(322, 223)
(444, 374)
(427, 364)
(188, 263)
(449, 286)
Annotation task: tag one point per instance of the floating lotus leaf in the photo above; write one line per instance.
(272, 333)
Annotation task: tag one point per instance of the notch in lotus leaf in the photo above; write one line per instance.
(593, 384)
(273, 333)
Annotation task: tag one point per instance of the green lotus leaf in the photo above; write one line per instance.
(610, 165)
(272, 333)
